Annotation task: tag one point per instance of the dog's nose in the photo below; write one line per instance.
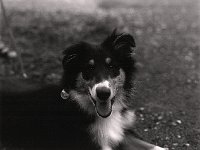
(103, 93)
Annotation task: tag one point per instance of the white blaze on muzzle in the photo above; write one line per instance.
(103, 107)
(105, 84)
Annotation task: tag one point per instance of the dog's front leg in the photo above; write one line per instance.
(137, 144)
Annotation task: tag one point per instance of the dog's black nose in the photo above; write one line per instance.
(103, 93)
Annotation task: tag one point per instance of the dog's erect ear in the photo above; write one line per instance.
(121, 43)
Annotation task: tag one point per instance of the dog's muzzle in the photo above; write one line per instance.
(102, 97)
(103, 93)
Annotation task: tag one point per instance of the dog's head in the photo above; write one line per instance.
(97, 76)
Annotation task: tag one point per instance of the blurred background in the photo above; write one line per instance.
(167, 35)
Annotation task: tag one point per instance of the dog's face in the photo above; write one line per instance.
(96, 76)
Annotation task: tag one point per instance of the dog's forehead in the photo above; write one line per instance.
(98, 55)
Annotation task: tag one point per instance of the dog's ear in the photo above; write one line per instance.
(72, 60)
(123, 44)
(72, 54)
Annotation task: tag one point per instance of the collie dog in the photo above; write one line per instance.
(99, 78)
(96, 115)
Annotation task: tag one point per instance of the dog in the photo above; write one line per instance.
(99, 78)
(96, 89)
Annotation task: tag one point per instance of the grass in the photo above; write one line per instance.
(167, 38)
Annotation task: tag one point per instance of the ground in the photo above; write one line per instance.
(167, 34)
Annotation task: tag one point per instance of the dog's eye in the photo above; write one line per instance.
(109, 62)
(91, 64)
(110, 66)
(88, 72)
(91, 67)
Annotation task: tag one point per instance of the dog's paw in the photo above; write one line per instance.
(159, 148)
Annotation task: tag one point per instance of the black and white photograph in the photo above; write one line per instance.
(99, 75)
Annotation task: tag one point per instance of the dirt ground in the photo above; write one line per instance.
(167, 96)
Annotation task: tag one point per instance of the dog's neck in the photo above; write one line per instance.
(109, 132)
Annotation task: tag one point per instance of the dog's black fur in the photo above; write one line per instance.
(120, 46)
(37, 118)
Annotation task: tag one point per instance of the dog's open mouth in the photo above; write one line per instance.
(103, 108)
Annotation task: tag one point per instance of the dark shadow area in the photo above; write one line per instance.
(40, 119)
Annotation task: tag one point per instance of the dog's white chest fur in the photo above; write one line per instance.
(108, 132)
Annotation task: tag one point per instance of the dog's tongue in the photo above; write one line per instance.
(104, 109)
